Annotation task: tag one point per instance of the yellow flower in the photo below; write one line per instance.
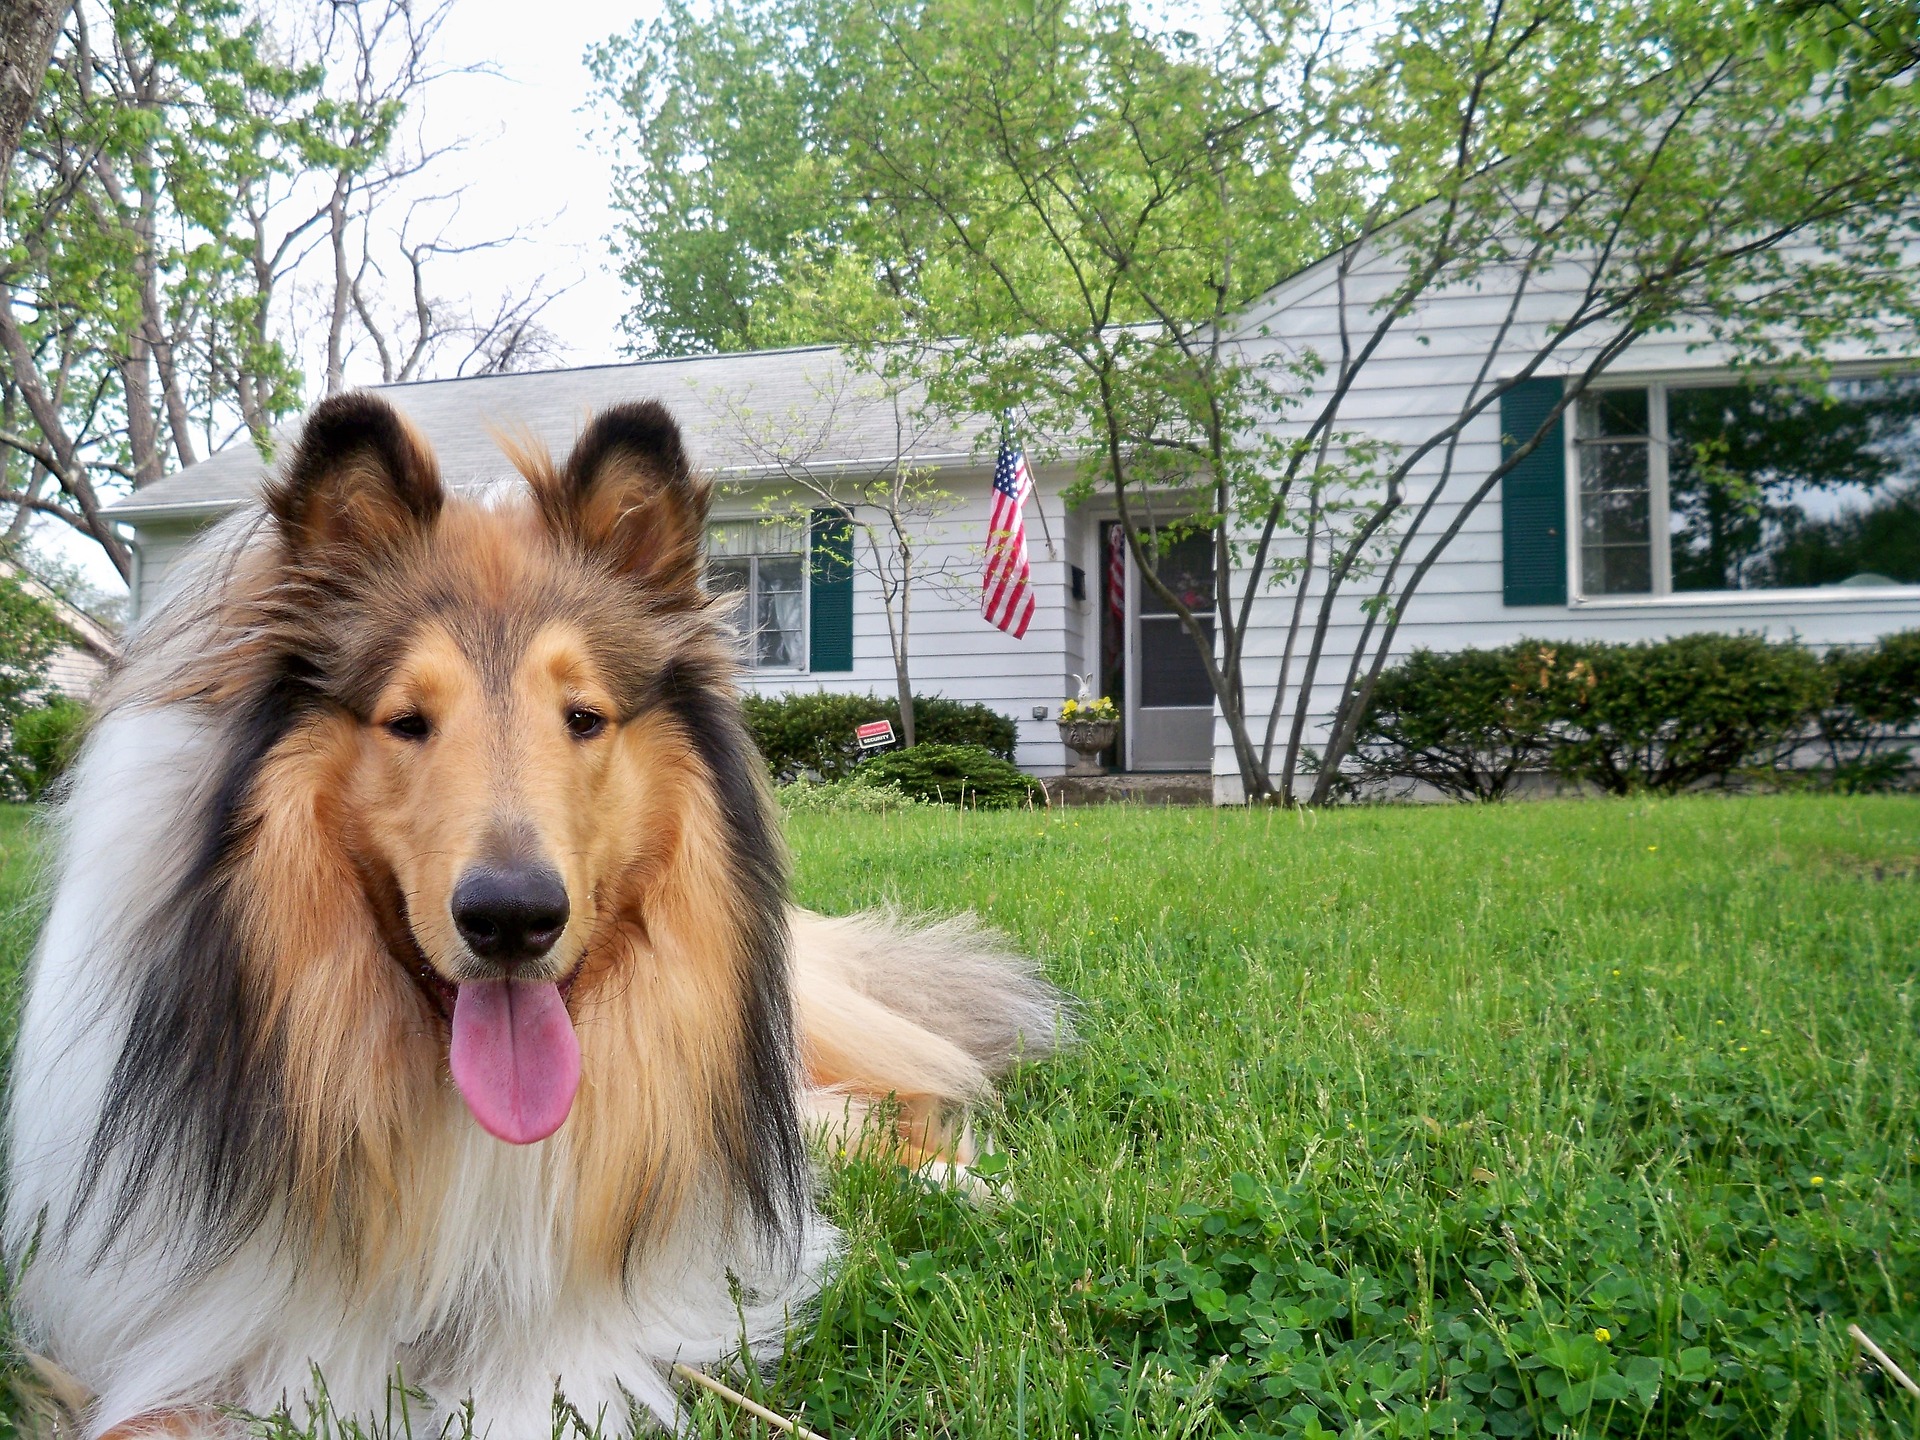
(1603, 1335)
(1816, 1179)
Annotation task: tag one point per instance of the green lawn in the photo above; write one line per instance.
(1595, 1117)
(1591, 1117)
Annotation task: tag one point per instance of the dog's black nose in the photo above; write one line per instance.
(510, 913)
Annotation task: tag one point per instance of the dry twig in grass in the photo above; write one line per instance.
(779, 1422)
(1884, 1361)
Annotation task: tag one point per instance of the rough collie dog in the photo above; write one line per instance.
(420, 997)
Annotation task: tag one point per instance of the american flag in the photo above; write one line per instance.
(1006, 594)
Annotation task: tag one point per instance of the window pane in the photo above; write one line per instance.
(1609, 413)
(777, 610)
(1777, 486)
(1186, 568)
(1171, 670)
(730, 581)
(1616, 569)
(1616, 540)
(755, 537)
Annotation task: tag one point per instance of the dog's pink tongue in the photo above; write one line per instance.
(515, 1057)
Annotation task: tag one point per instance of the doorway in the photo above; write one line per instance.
(1149, 663)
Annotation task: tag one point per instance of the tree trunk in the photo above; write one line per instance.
(28, 30)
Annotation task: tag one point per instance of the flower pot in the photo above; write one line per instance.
(1087, 738)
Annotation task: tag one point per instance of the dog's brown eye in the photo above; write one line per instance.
(584, 723)
(410, 726)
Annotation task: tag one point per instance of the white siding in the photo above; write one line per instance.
(158, 547)
(75, 672)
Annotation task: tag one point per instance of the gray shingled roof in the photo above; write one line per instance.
(736, 411)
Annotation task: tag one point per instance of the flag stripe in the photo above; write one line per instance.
(1006, 587)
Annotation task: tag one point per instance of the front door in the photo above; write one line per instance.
(1169, 712)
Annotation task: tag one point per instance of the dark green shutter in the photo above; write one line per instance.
(830, 603)
(1533, 497)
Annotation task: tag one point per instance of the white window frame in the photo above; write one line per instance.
(747, 662)
(1659, 516)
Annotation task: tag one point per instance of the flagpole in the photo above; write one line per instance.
(1006, 436)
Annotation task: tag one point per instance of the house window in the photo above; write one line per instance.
(1749, 486)
(760, 566)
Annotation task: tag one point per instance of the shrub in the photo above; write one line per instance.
(1468, 723)
(809, 731)
(968, 775)
(853, 796)
(1671, 714)
(44, 741)
(1870, 710)
(940, 721)
(812, 731)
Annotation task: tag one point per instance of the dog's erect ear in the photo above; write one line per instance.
(361, 477)
(628, 496)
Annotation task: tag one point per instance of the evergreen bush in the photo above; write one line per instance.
(969, 775)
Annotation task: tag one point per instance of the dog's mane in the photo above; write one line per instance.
(220, 1110)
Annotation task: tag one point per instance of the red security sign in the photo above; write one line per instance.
(874, 735)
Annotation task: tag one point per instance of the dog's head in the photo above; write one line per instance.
(524, 697)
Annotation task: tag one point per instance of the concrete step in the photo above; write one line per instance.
(1137, 789)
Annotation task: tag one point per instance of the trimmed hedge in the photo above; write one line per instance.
(968, 775)
(1872, 702)
(1664, 716)
(1467, 724)
(1673, 714)
(812, 731)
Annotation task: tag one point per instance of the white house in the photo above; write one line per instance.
(1601, 533)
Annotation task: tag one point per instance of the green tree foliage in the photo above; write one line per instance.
(735, 222)
(1084, 204)
(201, 201)
(133, 331)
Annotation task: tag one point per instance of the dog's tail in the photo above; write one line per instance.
(918, 1018)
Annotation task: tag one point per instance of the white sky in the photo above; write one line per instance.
(529, 166)
(530, 163)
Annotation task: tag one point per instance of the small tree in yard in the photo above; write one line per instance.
(890, 507)
(1088, 206)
